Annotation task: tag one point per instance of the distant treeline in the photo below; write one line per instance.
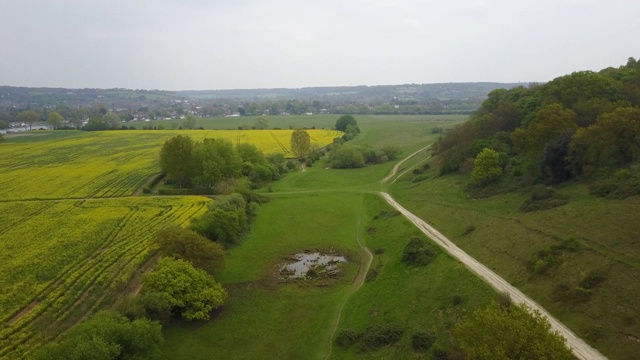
(582, 125)
(76, 105)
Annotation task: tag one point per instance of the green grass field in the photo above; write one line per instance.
(330, 208)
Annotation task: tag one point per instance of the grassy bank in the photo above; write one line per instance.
(580, 260)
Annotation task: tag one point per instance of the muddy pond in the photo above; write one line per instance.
(311, 265)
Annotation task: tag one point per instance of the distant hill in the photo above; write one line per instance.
(442, 91)
(408, 99)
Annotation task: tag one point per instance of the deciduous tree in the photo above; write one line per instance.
(28, 117)
(510, 332)
(189, 122)
(188, 245)
(190, 291)
(111, 120)
(344, 121)
(107, 336)
(176, 159)
(486, 167)
(55, 120)
(300, 143)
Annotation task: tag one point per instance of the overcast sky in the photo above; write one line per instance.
(215, 44)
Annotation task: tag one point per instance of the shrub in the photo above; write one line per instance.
(571, 296)
(422, 341)
(593, 279)
(469, 230)
(417, 179)
(347, 338)
(377, 336)
(457, 300)
(372, 274)
(418, 252)
(543, 198)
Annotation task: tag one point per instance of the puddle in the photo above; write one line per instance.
(323, 265)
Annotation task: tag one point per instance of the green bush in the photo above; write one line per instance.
(422, 341)
(420, 178)
(593, 279)
(543, 198)
(372, 274)
(347, 338)
(418, 252)
(377, 336)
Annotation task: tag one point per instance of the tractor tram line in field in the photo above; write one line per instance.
(108, 267)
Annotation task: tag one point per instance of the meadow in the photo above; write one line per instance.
(332, 209)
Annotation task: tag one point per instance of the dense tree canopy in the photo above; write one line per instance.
(190, 291)
(214, 160)
(188, 245)
(225, 221)
(176, 159)
(213, 164)
(107, 336)
(344, 121)
(549, 133)
(510, 332)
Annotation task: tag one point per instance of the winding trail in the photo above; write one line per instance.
(365, 264)
(580, 349)
(397, 166)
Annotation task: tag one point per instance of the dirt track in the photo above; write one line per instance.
(580, 349)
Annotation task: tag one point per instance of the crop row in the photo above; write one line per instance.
(108, 164)
(61, 272)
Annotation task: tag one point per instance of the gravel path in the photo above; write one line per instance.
(580, 349)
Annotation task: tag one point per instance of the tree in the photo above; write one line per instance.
(111, 120)
(346, 157)
(3, 125)
(176, 159)
(190, 291)
(189, 122)
(214, 160)
(344, 121)
(486, 167)
(613, 140)
(55, 120)
(225, 220)
(300, 143)
(188, 245)
(28, 117)
(510, 332)
(107, 336)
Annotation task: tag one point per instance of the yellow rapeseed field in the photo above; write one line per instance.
(63, 165)
(59, 258)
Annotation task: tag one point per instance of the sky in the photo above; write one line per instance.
(243, 44)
